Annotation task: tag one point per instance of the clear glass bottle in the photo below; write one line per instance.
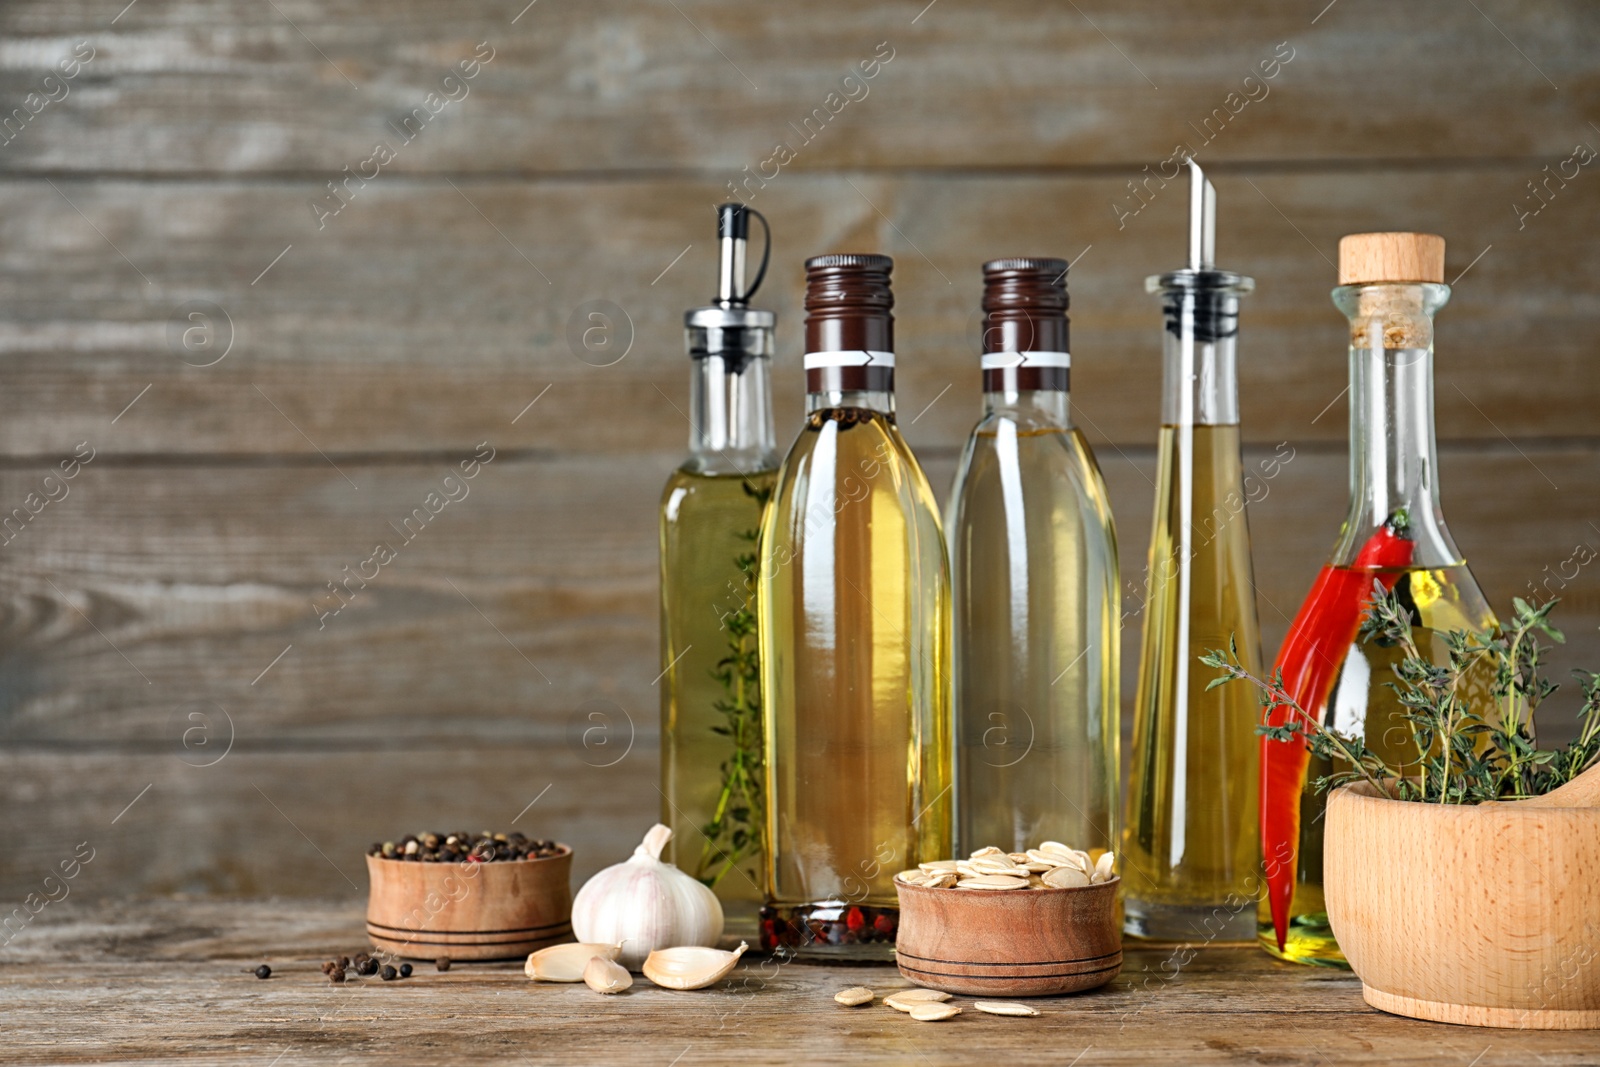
(711, 726)
(1394, 533)
(1034, 590)
(1189, 842)
(854, 621)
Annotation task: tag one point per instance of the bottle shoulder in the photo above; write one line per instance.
(849, 455)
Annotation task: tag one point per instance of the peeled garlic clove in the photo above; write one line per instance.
(604, 976)
(1103, 868)
(691, 966)
(566, 963)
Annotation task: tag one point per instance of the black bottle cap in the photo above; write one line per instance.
(733, 220)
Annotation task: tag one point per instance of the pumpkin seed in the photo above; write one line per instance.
(932, 1013)
(1065, 878)
(993, 881)
(855, 997)
(906, 999)
(1004, 1007)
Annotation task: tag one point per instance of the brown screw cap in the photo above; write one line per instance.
(1382, 258)
(849, 309)
(1025, 310)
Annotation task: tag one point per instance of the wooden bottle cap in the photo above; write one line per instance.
(1377, 258)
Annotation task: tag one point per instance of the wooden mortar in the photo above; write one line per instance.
(1485, 915)
(1013, 943)
(502, 909)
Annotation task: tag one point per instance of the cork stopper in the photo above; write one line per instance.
(1380, 258)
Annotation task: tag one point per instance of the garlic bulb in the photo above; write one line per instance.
(646, 904)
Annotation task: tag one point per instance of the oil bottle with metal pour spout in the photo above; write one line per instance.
(1189, 853)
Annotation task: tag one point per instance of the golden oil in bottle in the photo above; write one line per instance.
(854, 622)
(711, 726)
(1034, 587)
(1190, 855)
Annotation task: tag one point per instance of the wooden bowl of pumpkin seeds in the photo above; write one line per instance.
(1021, 924)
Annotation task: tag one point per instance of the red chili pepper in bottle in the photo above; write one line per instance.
(1312, 653)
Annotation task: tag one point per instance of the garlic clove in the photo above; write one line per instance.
(604, 976)
(690, 966)
(565, 963)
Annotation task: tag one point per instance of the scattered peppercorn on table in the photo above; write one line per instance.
(174, 981)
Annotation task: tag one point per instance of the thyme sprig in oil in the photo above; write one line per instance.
(735, 830)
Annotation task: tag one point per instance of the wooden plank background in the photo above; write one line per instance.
(365, 357)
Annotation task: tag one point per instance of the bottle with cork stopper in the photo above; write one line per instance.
(854, 618)
(1390, 287)
(1034, 588)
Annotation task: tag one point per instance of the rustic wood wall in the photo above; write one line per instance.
(265, 385)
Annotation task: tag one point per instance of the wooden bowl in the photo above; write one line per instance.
(469, 911)
(1486, 915)
(1013, 943)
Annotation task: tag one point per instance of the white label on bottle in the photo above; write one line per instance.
(1002, 360)
(860, 357)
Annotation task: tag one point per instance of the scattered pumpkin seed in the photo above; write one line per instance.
(1004, 1007)
(906, 999)
(855, 997)
(931, 1012)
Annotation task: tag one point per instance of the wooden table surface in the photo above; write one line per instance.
(169, 981)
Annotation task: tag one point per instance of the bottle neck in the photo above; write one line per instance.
(879, 400)
(1199, 378)
(1030, 407)
(730, 416)
(1393, 451)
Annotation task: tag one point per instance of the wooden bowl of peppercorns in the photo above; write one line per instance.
(479, 896)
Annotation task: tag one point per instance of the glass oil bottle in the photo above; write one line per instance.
(711, 726)
(1390, 287)
(1189, 855)
(854, 610)
(1034, 590)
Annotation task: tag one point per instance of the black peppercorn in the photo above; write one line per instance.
(344, 961)
(336, 975)
(405, 970)
(442, 963)
(387, 974)
(263, 971)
